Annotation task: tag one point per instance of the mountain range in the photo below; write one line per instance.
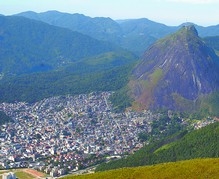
(133, 34)
(57, 49)
(39, 60)
(30, 46)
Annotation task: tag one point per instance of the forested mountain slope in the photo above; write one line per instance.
(201, 143)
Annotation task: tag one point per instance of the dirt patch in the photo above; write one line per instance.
(34, 172)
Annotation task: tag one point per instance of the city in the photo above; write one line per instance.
(69, 133)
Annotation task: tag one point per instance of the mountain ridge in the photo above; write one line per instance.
(133, 34)
(30, 46)
(101, 28)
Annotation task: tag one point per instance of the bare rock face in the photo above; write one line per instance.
(175, 72)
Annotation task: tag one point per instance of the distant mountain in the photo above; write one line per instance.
(176, 73)
(201, 143)
(213, 42)
(144, 32)
(38, 60)
(29, 46)
(141, 33)
(208, 31)
(134, 34)
(146, 27)
(99, 27)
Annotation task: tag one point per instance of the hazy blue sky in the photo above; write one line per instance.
(170, 12)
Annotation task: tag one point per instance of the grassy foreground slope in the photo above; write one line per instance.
(197, 168)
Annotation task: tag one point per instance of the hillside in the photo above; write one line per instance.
(176, 73)
(31, 46)
(198, 168)
(213, 42)
(200, 143)
(75, 79)
(38, 60)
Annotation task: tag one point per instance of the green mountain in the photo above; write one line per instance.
(208, 31)
(133, 34)
(30, 46)
(99, 27)
(213, 42)
(178, 72)
(201, 143)
(141, 33)
(38, 60)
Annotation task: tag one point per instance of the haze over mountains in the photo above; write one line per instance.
(134, 34)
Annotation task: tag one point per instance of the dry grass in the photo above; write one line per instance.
(198, 168)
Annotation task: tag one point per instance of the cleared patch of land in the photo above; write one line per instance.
(34, 172)
(25, 173)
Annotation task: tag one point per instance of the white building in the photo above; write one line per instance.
(8, 176)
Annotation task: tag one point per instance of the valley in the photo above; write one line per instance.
(70, 133)
(80, 130)
(83, 94)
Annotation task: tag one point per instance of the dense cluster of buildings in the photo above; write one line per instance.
(67, 130)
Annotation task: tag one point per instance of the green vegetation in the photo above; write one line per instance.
(209, 104)
(45, 61)
(200, 143)
(37, 86)
(32, 46)
(212, 42)
(204, 106)
(198, 168)
(112, 58)
(4, 118)
(121, 99)
(184, 104)
(23, 175)
(156, 76)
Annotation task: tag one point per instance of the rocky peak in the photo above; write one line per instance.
(190, 29)
(177, 68)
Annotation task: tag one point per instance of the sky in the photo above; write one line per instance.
(169, 12)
